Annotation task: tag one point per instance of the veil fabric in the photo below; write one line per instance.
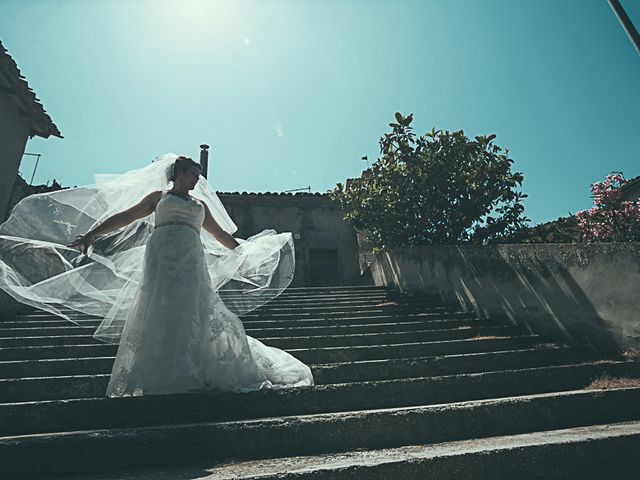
(38, 269)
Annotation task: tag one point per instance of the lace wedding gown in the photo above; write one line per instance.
(179, 336)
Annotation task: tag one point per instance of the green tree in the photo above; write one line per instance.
(440, 188)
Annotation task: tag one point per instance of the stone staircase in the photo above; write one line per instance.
(404, 389)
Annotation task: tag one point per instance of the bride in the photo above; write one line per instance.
(168, 296)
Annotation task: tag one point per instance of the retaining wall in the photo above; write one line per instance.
(579, 293)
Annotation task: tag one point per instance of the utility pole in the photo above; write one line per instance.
(626, 22)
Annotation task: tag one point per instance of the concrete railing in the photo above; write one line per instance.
(578, 293)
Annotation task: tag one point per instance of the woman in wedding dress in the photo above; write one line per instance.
(162, 289)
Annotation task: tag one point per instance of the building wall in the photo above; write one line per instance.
(580, 294)
(14, 130)
(321, 236)
(632, 192)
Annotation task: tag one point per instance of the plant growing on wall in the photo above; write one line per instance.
(439, 188)
(610, 219)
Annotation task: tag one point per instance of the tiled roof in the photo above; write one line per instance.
(631, 182)
(278, 194)
(13, 83)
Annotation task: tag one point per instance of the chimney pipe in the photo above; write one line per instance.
(204, 159)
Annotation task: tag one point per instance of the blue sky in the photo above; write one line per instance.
(293, 93)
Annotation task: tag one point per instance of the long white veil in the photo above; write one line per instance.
(37, 269)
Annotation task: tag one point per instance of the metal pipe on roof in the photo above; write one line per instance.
(204, 159)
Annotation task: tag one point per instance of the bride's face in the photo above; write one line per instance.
(189, 177)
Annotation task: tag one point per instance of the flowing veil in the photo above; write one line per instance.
(37, 269)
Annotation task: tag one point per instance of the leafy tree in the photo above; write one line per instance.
(440, 188)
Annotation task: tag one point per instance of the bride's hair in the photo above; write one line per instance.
(182, 164)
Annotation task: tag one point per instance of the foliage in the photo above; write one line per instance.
(610, 219)
(440, 188)
(561, 230)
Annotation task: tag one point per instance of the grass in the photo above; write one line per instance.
(606, 382)
(387, 304)
(632, 353)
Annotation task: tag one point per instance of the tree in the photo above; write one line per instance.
(440, 188)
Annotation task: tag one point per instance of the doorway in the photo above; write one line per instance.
(323, 267)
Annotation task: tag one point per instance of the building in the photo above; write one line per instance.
(630, 192)
(326, 245)
(22, 116)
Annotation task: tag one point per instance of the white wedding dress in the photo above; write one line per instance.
(179, 336)
(167, 295)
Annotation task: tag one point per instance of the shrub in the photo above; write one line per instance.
(610, 219)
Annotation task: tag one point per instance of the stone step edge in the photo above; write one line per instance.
(355, 347)
(148, 435)
(253, 404)
(343, 416)
(330, 365)
(475, 458)
(254, 331)
(483, 328)
(300, 319)
(347, 384)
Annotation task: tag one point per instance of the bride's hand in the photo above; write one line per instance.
(82, 243)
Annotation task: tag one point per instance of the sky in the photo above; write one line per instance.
(291, 94)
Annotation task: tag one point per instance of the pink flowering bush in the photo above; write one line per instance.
(610, 219)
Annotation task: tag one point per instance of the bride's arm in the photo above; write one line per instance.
(211, 226)
(145, 207)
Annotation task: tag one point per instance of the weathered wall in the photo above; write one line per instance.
(588, 293)
(14, 130)
(314, 220)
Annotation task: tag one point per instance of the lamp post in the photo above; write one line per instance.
(626, 22)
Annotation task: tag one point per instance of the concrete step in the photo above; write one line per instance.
(52, 324)
(353, 319)
(35, 415)
(343, 307)
(381, 325)
(271, 308)
(306, 355)
(414, 349)
(335, 372)
(397, 368)
(25, 397)
(87, 327)
(343, 310)
(329, 298)
(295, 340)
(336, 302)
(350, 289)
(314, 434)
(390, 337)
(347, 310)
(83, 339)
(594, 452)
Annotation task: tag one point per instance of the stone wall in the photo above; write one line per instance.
(326, 245)
(578, 293)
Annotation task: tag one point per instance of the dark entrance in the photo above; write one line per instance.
(323, 267)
